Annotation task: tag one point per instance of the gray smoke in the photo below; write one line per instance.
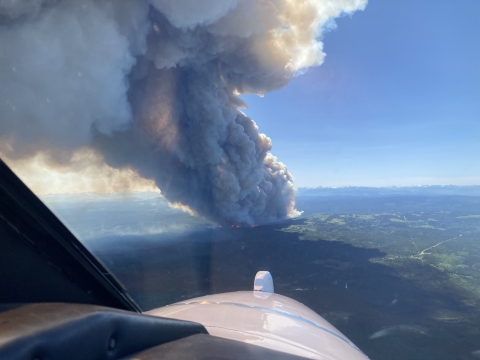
(154, 86)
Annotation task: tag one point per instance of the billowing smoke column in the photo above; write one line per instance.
(154, 86)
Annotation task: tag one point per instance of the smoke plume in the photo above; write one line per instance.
(153, 86)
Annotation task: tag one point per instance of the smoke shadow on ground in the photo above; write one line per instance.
(335, 279)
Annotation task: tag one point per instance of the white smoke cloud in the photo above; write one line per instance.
(188, 14)
(62, 72)
(16, 8)
(153, 86)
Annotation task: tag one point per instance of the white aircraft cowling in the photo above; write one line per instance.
(266, 319)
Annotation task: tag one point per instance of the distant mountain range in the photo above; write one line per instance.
(432, 190)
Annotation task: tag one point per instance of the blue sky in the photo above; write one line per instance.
(396, 102)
